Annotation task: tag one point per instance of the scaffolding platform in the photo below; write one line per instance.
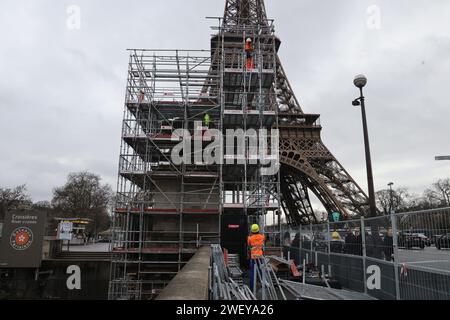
(175, 108)
(251, 117)
(237, 77)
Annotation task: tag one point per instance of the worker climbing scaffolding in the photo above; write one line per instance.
(249, 60)
(249, 53)
(206, 120)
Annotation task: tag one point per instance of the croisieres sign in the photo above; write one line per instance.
(22, 237)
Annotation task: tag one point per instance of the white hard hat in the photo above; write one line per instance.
(249, 40)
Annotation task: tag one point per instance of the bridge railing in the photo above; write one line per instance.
(399, 256)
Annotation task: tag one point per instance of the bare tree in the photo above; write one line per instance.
(84, 196)
(45, 205)
(13, 199)
(439, 194)
(401, 200)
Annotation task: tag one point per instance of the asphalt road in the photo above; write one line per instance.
(429, 257)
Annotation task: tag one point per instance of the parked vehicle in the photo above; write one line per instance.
(425, 239)
(443, 242)
(435, 237)
(411, 240)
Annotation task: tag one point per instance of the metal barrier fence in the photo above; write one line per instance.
(400, 256)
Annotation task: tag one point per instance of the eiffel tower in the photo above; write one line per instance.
(307, 166)
(167, 207)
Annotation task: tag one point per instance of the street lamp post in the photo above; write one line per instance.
(360, 82)
(390, 184)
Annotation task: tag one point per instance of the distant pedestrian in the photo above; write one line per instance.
(296, 242)
(377, 245)
(388, 246)
(370, 244)
(350, 243)
(287, 239)
(358, 243)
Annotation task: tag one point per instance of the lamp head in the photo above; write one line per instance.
(360, 81)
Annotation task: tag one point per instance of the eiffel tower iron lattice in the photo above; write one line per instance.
(306, 163)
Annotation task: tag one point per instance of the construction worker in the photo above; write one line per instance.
(206, 120)
(249, 52)
(335, 236)
(255, 243)
(336, 243)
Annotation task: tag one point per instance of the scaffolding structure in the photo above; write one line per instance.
(163, 209)
(174, 98)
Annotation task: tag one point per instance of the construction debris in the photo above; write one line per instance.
(301, 291)
(227, 282)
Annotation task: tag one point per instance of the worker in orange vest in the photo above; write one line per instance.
(256, 243)
(249, 52)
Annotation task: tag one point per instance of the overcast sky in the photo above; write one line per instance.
(62, 89)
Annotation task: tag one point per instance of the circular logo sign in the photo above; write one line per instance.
(21, 238)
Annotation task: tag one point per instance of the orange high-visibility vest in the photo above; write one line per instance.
(250, 65)
(256, 243)
(249, 50)
(248, 47)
